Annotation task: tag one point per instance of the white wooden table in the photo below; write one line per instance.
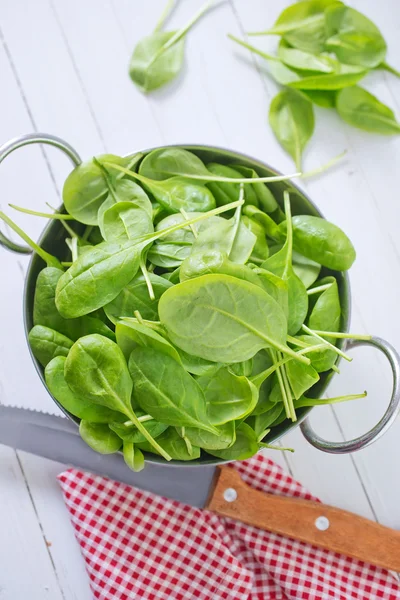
(63, 67)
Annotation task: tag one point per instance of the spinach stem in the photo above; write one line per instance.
(164, 15)
(253, 48)
(281, 385)
(261, 377)
(303, 401)
(88, 231)
(145, 418)
(319, 288)
(60, 216)
(337, 350)
(50, 260)
(289, 236)
(192, 227)
(342, 335)
(146, 434)
(145, 273)
(390, 69)
(181, 32)
(331, 163)
(289, 392)
(271, 447)
(73, 246)
(334, 368)
(209, 177)
(139, 317)
(69, 229)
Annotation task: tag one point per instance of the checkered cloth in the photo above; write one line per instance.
(138, 545)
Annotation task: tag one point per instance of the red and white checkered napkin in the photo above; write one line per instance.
(137, 545)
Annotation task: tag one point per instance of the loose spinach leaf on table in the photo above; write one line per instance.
(331, 81)
(291, 117)
(361, 109)
(305, 61)
(166, 391)
(46, 343)
(100, 437)
(158, 58)
(353, 37)
(206, 315)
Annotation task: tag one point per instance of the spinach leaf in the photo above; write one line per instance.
(361, 109)
(275, 286)
(210, 441)
(135, 296)
(353, 37)
(270, 227)
(158, 58)
(214, 261)
(244, 368)
(168, 256)
(245, 445)
(131, 335)
(96, 278)
(307, 270)
(301, 377)
(291, 117)
(265, 420)
(322, 241)
(303, 25)
(166, 391)
(324, 98)
(322, 359)
(305, 61)
(326, 313)
(123, 221)
(332, 81)
(206, 316)
(96, 370)
(260, 250)
(46, 343)
(229, 397)
(77, 405)
(85, 188)
(171, 442)
(196, 365)
(163, 163)
(99, 437)
(133, 457)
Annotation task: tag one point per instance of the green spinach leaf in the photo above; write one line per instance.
(100, 437)
(245, 445)
(46, 343)
(361, 109)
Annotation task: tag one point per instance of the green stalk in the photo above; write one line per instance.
(289, 235)
(186, 217)
(60, 216)
(390, 69)
(337, 350)
(261, 377)
(147, 279)
(271, 447)
(280, 30)
(209, 177)
(320, 288)
(164, 15)
(331, 163)
(346, 336)
(289, 393)
(302, 402)
(146, 434)
(50, 260)
(281, 385)
(253, 48)
(182, 32)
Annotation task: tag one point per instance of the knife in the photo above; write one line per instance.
(219, 489)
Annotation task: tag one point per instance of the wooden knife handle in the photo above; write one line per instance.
(311, 522)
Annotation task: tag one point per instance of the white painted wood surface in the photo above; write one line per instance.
(64, 71)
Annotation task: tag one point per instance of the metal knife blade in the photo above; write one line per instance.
(57, 438)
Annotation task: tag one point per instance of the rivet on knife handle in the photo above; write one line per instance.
(324, 526)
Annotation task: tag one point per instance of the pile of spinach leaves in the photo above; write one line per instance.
(194, 314)
(326, 48)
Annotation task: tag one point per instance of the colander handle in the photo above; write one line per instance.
(382, 426)
(25, 140)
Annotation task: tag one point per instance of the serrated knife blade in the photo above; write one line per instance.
(57, 438)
